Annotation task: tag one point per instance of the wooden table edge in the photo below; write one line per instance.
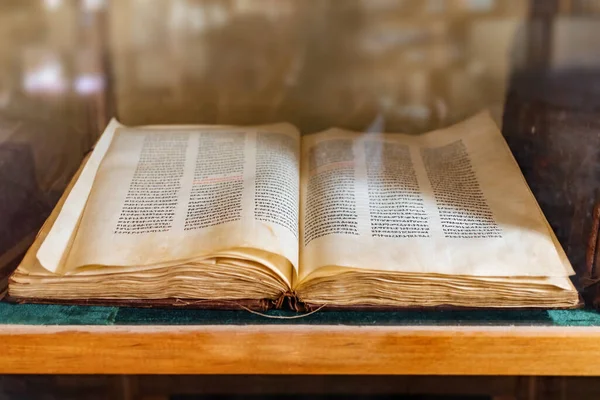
(301, 349)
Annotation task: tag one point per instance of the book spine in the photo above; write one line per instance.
(288, 301)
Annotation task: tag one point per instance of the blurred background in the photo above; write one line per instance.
(68, 66)
(416, 64)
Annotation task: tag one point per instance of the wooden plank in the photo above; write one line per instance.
(272, 349)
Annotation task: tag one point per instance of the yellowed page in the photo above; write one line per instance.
(163, 195)
(452, 201)
(54, 248)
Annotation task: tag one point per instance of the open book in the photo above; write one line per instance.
(223, 216)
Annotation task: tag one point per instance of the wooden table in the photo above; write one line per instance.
(301, 349)
(237, 342)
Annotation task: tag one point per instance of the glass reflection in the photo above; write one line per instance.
(315, 63)
(52, 4)
(43, 72)
(372, 65)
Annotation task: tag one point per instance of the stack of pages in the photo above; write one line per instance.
(261, 217)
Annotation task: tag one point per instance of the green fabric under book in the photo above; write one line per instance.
(38, 314)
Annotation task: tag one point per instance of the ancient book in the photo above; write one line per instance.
(262, 217)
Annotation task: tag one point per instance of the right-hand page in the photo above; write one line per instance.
(452, 201)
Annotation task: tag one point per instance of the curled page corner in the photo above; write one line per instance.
(56, 244)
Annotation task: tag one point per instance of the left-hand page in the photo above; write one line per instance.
(169, 195)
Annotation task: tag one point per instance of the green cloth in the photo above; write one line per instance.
(37, 314)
